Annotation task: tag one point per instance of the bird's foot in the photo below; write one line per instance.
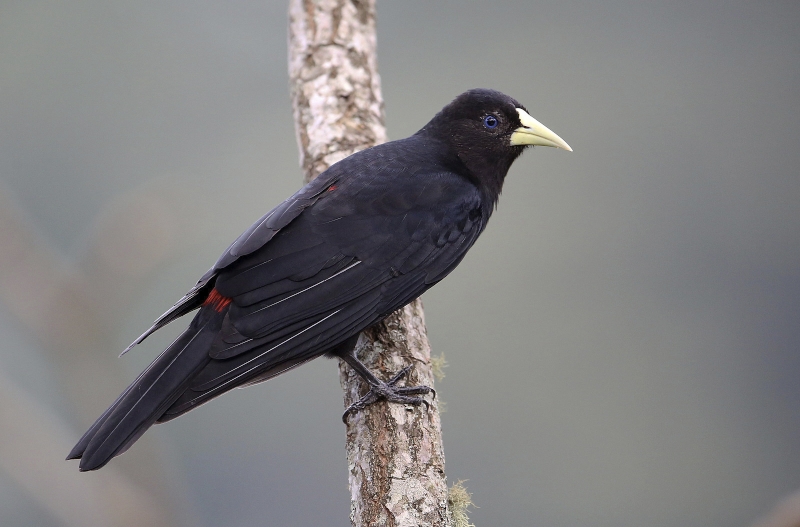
(388, 392)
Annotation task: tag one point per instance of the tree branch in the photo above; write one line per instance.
(394, 453)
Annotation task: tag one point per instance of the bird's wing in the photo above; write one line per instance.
(360, 252)
(252, 239)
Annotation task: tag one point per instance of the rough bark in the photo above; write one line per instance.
(336, 92)
(394, 452)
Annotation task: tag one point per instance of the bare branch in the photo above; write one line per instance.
(336, 94)
(394, 453)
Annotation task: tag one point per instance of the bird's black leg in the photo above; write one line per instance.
(378, 388)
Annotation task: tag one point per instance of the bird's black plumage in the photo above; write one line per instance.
(369, 235)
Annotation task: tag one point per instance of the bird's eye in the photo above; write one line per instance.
(490, 122)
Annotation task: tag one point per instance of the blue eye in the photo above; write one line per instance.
(490, 122)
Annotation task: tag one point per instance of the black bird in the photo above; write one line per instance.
(369, 235)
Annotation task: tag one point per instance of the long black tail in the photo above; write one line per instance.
(149, 396)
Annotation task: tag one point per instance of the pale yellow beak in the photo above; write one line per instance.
(532, 132)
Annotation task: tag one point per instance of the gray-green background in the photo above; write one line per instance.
(623, 340)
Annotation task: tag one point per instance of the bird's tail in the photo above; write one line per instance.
(138, 408)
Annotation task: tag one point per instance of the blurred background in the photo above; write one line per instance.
(622, 341)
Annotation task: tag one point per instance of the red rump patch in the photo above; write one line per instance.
(331, 188)
(217, 301)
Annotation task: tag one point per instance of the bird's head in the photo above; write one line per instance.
(488, 130)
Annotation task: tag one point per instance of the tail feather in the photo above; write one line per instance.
(179, 407)
(149, 396)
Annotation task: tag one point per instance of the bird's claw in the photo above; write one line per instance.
(388, 392)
